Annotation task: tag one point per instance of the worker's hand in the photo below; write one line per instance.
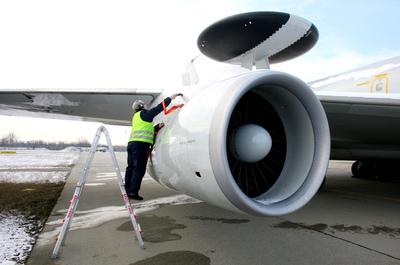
(173, 96)
(160, 125)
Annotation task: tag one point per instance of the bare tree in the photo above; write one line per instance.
(9, 139)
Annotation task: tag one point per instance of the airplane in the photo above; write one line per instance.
(255, 141)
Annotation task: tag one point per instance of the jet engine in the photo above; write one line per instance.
(257, 143)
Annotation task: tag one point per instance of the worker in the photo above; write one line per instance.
(140, 140)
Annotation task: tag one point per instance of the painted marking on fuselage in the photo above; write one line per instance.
(378, 83)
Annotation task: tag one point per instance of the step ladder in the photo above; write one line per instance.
(79, 188)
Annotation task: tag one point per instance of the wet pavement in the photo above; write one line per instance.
(351, 221)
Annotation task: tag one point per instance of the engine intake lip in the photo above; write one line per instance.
(319, 159)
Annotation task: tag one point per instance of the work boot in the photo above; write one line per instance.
(134, 197)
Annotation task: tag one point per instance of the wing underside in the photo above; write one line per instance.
(363, 128)
(107, 106)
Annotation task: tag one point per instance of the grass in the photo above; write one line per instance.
(30, 199)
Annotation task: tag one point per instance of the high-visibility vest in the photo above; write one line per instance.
(142, 131)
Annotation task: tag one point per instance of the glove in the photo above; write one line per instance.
(173, 96)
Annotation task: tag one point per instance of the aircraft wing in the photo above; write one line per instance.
(362, 126)
(111, 106)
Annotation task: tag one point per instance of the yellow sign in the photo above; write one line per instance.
(7, 152)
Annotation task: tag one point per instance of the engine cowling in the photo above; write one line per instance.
(257, 143)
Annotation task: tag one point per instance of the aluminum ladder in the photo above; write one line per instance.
(79, 188)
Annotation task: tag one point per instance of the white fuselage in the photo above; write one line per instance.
(380, 80)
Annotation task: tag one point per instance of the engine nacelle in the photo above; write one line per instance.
(206, 149)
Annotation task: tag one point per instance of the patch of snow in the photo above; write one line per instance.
(16, 238)
(105, 179)
(38, 158)
(7, 262)
(33, 177)
(93, 184)
(71, 149)
(98, 216)
(107, 174)
(37, 166)
(51, 99)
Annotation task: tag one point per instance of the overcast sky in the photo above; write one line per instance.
(146, 44)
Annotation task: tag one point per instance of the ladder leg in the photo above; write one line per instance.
(67, 220)
(132, 215)
(75, 198)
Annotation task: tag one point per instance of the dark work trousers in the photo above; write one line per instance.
(137, 160)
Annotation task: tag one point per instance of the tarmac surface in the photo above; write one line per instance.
(351, 221)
